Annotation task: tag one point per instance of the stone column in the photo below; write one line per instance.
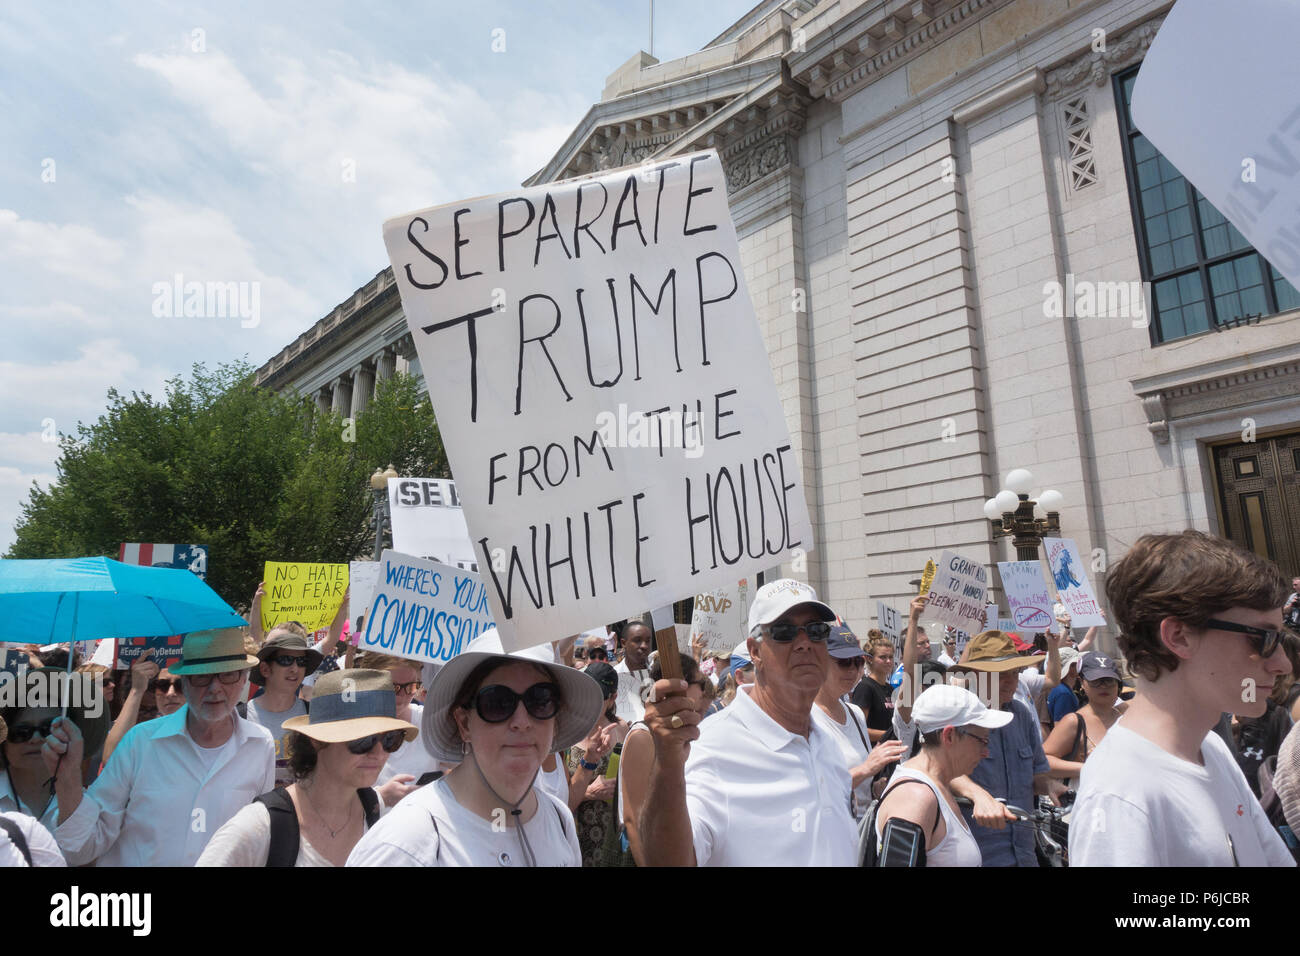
(385, 364)
(323, 398)
(337, 401)
(363, 384)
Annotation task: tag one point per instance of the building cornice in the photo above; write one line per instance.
(878, 38)
(1096, 66)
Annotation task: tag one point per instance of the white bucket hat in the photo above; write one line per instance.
(582, 700)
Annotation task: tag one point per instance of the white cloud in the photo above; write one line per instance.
(66, 250)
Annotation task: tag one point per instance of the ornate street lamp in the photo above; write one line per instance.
(1012, 513)
(379, 494)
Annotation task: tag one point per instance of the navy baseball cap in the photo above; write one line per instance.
(842, 643)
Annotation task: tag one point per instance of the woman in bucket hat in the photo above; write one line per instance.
(335, 752)
(498, 716)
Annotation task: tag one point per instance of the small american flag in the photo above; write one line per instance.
(191, 556)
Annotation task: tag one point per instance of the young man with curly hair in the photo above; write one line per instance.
(1200, 622)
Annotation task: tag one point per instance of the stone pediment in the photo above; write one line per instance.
(731, 110)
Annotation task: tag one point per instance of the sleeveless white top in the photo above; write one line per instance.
(958, 846)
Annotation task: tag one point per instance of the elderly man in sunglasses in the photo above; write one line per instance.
(173, 781)
(763, 784)
(1200, 622)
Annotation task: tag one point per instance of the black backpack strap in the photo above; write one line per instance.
(15, 834)
(1080, 736)
(284, 827)
(938, 810)
(369, 804)
(848, 709)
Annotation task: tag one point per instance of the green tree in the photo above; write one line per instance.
(255, 475)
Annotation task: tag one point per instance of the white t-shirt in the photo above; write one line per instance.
(411, 757)
(1139, 805)
(628, 703)
(555, 782)
(245, 840)
(430, 828)
(274, 722)
(854, 746)
(40, 844)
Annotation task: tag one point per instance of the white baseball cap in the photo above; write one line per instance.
(776, 597)
(943, 705)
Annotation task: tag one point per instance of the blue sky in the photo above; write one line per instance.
(140, 141)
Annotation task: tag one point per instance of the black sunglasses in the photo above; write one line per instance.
(21, 733)
(166, 685)
(391, 741)
(409, 688)
(497, 703)
(817, 631)
(1264, 640)
(848, 662)
(597, 655)
(287, 660)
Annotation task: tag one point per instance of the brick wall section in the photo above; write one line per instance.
(917, 362)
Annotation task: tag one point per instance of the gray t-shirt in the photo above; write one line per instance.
(274, 722)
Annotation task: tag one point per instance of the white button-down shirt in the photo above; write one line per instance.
(9, 802)
(156, 802)
(759, 795)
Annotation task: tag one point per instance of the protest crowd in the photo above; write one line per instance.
(797, 746)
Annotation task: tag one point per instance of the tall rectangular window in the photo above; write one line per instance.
(1201, 269)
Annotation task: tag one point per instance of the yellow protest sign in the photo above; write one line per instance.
(927, 577)
(307, 593)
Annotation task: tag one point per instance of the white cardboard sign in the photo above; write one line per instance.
(603, 392)
(428, 521)
(890, 624)
(1231, 124)
(425, 611)
(719, 617)
(363, 581)
(957, 593)
(1028, 595)
(1072, 583)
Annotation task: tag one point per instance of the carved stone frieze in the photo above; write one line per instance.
(1099, 63)
(752, 164)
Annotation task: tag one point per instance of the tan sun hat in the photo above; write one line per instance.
(994, 651)
(213, 652)
(351, 704)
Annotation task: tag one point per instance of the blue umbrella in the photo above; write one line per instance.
(57, 600)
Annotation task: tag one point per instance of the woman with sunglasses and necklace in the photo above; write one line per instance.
(498, 716)
(335, 754)
(846, 719)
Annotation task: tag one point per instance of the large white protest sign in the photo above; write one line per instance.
(603, 392)
(1231, 124)
(957, 593)
(890, 624)
(363, 581)
(425, 611)
(719, 618)
(1027, 594)
(428, 521)
(1072, 583)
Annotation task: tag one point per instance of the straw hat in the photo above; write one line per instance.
(582, 699)
(351, 704)
(213, 652)
(287, 642)
(995, 651)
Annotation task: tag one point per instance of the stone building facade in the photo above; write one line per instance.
(964, 259)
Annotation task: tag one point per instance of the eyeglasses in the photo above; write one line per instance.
(851, 662)
(817, 631)
(21, 733)
(391, 741)
(597, 655)
(226, 677)
(409, 688)
(1264, 640)
(984, 741)
(286, 660)
(497, 703)
(166, 685)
